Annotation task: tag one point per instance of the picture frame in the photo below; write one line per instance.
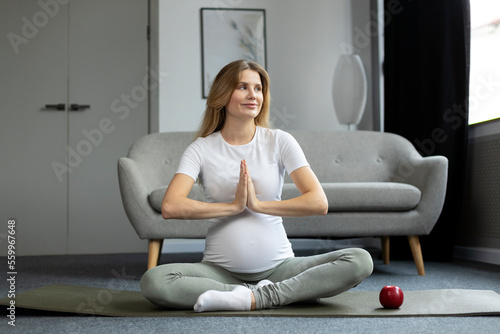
(229, 34)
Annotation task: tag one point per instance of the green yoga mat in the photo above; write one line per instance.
(107, 302)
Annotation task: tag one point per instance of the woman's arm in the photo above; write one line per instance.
(176, 204)
(313, 200)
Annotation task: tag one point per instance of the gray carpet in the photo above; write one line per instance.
(124, 271)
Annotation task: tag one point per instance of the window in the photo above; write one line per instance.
(484, 90)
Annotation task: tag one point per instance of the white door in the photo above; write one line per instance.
(33, 73)
(108, 71)
(58, 167)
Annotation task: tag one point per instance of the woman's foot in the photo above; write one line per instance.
(239, 299)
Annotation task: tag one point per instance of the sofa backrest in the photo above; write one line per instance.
(355, 156)
(157, 155)
(334, 156)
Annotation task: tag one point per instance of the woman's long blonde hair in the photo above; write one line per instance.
(220, 93)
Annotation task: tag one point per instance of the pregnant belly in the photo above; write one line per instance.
(247, 243)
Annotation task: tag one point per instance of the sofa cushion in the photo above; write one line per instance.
(342, 197)
(364, 196)
(156, 196)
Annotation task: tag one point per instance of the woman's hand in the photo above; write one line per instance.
(252, 200)
(240, 198)
(177, 205)
(313, 200)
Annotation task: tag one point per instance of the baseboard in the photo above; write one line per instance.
(173, 246)
(479, 254)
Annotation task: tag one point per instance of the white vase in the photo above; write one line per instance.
(349, 89)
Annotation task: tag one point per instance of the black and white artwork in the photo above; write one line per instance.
(228, 35)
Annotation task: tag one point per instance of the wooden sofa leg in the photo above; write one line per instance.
(385, 249)
(155, 246)
(417, 253)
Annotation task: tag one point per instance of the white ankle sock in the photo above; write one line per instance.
(240, 299)
(264, 282)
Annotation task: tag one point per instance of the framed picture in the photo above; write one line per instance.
(229, 34)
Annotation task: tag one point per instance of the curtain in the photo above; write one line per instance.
(426, 75)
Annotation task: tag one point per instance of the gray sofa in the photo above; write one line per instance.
(376, 183)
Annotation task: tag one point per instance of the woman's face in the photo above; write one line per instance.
(247, 97)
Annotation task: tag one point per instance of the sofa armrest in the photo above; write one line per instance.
(430, 175)
(134, 193)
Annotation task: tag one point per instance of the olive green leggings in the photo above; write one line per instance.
(296, 279)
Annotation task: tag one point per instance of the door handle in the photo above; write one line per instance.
(78, 107)
(59, 106)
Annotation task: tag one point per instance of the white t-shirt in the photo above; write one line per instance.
(248, 242)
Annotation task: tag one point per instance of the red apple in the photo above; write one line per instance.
(391, 296)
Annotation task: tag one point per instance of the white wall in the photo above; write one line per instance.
(303, 46)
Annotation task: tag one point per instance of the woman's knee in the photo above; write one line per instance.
(363, 262)
(149, 284)
(155, 286)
